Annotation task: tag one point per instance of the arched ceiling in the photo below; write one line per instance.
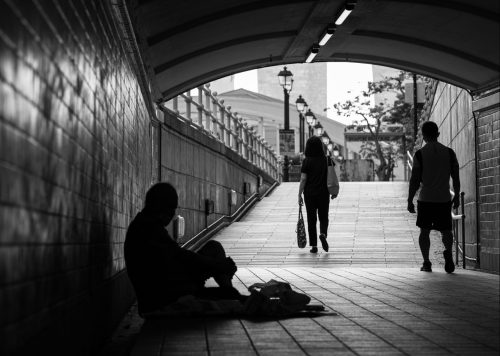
(190, 42)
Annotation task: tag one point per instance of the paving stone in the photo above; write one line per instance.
(370, 278)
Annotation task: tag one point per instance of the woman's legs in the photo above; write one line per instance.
(323, 209)
(311, 210)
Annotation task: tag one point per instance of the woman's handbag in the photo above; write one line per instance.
(331, 179)
(301, 230)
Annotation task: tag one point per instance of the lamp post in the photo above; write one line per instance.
(325, 139)
(286, 81)
(311, 121)
(319, 129)
(335, 151)
(301, 107)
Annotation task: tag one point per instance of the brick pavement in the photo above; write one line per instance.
(370, 279)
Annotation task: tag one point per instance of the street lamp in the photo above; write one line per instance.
(285, 78)
(311, 121)
(325, 139)
(301, 107)
(319, 129)
(336, 151)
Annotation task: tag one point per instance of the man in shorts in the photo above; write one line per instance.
(433, 165)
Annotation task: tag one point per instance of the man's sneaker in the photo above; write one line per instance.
(324, 244)
(426, 267)
(449, 266)
(314, 249)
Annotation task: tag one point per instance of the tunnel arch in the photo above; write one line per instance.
(191, 42)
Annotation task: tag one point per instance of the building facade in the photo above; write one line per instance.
(309, 80)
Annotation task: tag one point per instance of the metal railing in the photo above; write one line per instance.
(409, 166)
(455, 218)
(207, 113)
(460, 245)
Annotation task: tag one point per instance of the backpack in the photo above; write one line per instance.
(274, 298)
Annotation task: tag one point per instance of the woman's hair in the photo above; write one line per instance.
(314, 147)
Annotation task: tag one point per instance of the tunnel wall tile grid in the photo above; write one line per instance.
(75, 163)
(452, 111)
(201, 168)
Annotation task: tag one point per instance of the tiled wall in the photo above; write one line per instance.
(452, 111)
(488, 124)
(200, 167)
(75, 162)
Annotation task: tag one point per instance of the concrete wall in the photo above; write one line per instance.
(451, 109)
(75, 163)
(201, 168)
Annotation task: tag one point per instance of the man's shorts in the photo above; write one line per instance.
(434, 216)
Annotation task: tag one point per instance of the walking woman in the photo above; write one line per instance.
(313, 185)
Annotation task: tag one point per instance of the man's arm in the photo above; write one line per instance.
(455, 176)
(415, 179)
(199, 262)
(190, 260)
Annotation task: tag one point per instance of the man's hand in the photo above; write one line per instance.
(411, 207)
(456, 202)
(333, 196)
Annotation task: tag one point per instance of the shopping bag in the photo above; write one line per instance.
(301, 230)
(331, 180)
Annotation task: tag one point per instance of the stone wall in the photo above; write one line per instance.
(75, 162)
(451, 108)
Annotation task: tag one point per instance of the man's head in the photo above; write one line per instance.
(430, 131)
(161, 201)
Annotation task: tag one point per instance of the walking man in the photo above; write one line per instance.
(433, 165)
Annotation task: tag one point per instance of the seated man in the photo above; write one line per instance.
(160, 270)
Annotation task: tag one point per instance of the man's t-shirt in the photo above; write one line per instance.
(436, 167)
(316, 170)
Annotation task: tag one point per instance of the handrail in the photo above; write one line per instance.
(455, 217)
(409, 165)
(209, 114)
(206, 234)
(410, 160)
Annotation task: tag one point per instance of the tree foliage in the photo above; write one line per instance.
(375, 118)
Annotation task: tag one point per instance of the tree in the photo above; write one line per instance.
(376, 118)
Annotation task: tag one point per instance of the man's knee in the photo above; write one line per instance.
(213, 249)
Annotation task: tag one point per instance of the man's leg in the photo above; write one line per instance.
(214, 249)
(447, 238)
(425, 245)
